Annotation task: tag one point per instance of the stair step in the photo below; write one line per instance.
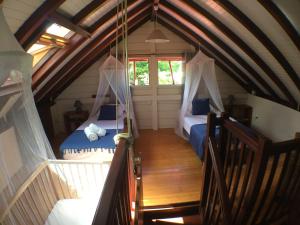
(186, 220)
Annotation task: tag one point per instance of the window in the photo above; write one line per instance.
(55, 37)
(170, 71)
(139, 71)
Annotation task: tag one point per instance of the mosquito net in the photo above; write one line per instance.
(112, 75)
(200, 80)
(23, 143)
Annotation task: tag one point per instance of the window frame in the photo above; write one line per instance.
(170, 59)
(139, 59)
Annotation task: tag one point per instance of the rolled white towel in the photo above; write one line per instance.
(92, 136)
(98, 130)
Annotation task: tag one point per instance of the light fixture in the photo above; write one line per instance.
(156, 36)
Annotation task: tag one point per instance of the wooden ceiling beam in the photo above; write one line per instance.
(80, 57)
(31, 28)
(217, 55)
(67, 23)
(53, 62)
(262, 37)
(230, 51)
(105, 50)
(97, 53)
(214, 53)
(283, 20)
(87, 10)
(188, 39)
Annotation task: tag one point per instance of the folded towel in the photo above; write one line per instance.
(92, 136)
(98, 130)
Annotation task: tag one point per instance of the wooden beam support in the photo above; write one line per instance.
(101, 50)
(262, 37)
(283, 20)
(213, 53)
(53, 62)
(38, 19)
(87, 10)
(81, 57)
(67, 23)
(249, 86)
(230, 51)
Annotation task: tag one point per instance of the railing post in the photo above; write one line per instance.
(207, 167)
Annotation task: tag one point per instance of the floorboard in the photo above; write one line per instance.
(171, 169)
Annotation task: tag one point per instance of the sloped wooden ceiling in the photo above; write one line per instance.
(255, 42)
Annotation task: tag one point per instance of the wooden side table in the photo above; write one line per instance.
(74, 119)
(240, 112)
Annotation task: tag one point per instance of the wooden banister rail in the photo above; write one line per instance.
(114, 207)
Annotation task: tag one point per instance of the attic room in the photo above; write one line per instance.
(149, 112)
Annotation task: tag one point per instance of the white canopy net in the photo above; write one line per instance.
(34, 189)
(112, 75)
(200, 81)
(23, 143)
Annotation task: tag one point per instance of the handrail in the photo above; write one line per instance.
(116, 185)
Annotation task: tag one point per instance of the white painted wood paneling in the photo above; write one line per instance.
(16, 12)
(168, 99)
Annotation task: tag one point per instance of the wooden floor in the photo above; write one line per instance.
(171, 169)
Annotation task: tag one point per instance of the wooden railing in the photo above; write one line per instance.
(115, 204)
(247, 178)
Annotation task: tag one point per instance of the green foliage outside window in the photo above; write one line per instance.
(141, 73)
(165, 75)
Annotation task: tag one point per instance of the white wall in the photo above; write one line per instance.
(274, 120)
(155, 106)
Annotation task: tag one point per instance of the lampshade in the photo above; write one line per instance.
(157, 37)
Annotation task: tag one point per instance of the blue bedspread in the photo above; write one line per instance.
(78, 142)
(197, 138)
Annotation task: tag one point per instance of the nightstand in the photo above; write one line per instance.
(74, 119)
(240, 112)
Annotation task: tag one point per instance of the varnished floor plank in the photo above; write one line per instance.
(171, 169)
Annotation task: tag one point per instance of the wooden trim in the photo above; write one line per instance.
(27, 31)
(242, 45)
(86, 61)
(283, 20)
(262, 37)
(87, 10)
(67, 23)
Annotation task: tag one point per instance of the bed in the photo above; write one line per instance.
(77, 146)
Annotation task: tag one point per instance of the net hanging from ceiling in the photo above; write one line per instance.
(34, 187)
(200, 81)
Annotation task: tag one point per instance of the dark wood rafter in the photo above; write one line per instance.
(91, 49)
(101, 50)
(67, 23)
(249, 86)
(234, 55)
(283, 20)
(87, 10)
(241, 45)
(53, 62)
(220, 59)
(109, 15)
(262, 37)
(36, 23)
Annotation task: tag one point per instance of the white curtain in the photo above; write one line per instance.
(112, 75)
(23, 143)
(199, 69)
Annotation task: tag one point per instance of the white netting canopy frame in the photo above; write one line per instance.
(200, 68)
(19, 120)
(112, 75)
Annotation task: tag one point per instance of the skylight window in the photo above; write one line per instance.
(57, 30)
(35, 48)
